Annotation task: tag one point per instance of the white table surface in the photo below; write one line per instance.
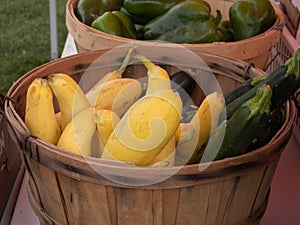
(284, 202)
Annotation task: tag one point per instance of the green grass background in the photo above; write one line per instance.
(25, 37)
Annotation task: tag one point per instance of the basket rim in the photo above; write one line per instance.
(277, 27)
(79, 167)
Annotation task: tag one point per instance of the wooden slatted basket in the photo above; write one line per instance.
(66, 189)
(11, 169)
(254, 50)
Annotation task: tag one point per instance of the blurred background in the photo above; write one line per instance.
(25, 37)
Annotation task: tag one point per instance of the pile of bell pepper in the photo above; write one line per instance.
(177, 21)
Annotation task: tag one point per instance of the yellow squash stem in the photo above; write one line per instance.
(158, 78)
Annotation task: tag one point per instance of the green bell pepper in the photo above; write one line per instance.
(225, 31)
(112, 4)
(148, 9)
(251, 17)
(193, 33)
(115, 23)
(141, 20)
(88, 10)
(187, 22)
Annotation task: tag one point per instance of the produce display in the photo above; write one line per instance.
(242, 128)
(145, 124)
(177, 21)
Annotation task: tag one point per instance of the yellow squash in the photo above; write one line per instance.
(116, 74)
(158, 78)
(166, 158)
(184, 133)
(78, 134)
(145, 129)
(39, 115)
(204, 122)
(116, 95)
(70, 97)
(106, 121)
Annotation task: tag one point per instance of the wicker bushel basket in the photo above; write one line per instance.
(66, 189)
(254, 50)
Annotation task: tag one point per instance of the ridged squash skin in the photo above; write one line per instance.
(145, 129)
(78, 134)
(70, 97)
(40, 115)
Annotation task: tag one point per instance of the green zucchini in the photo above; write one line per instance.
(183, 83)
(233, 136)
(268, 130)
(243, 88)
(284, 81)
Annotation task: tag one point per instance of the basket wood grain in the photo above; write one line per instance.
(65, 189)
(10, 166)
(254, 50)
